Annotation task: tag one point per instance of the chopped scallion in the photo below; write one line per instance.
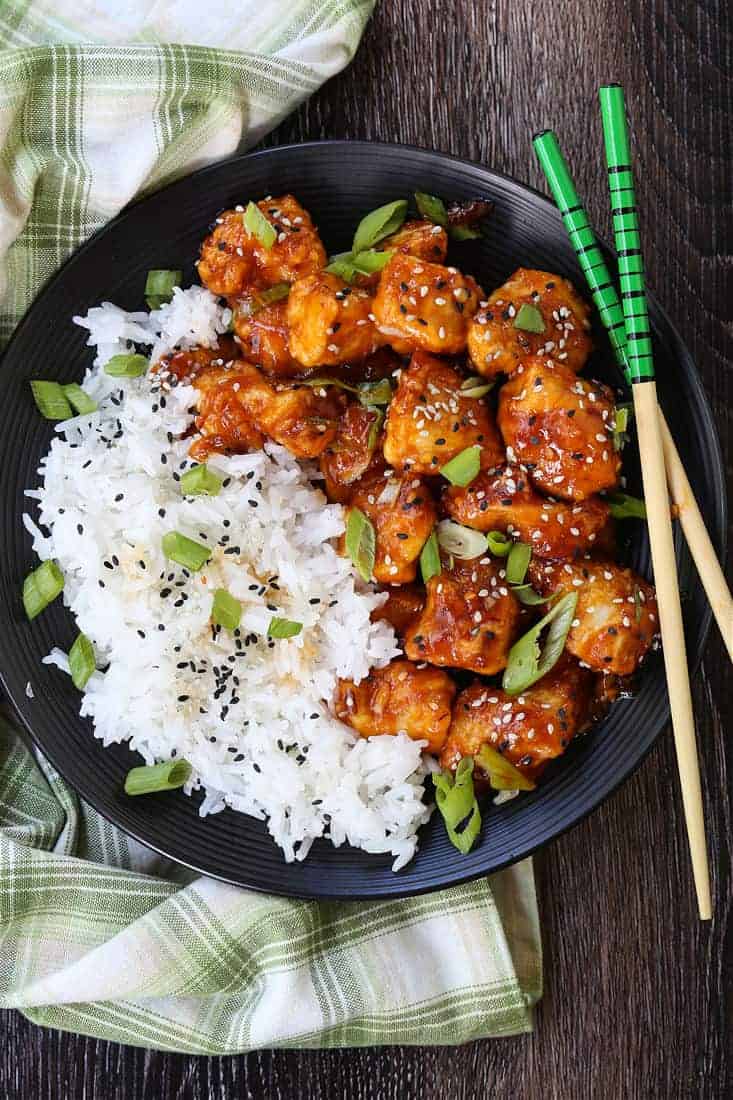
(463, 467)
(361, 543)
(200, 481)
(186, 552)
(517, 561)
(258, 226)
(375, 428)
(159, 286)
(430, 558)
(378, 224)
(462, 542)
(79, 400)
(476, 386)
(622, 418)
(375, 393)
(151, 778)
(528, 663)
(456, 801)
(431, 208)
(623, 506)
(41, 587)
(498, 543)
(464, 232)
(350, 265)
(51, 400)
(527, 596)
(81, 661)
(503, 775)
(248, 307)
(283, 628)
(226, 611)
(529, 319)
(126, 366)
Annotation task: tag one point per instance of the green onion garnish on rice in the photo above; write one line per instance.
(200, 481)
(258, 226)
(41, 587)
(283, 628)
(51, 400)
(517, 562)
(126, 366)
(81, 661)
(186, 552)
(151, 778)
(225, 610)
(463, 468)
(159, 286)
(81, 402)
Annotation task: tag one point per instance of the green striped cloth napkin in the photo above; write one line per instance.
(98, 934)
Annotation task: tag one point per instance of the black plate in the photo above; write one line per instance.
(338, 182)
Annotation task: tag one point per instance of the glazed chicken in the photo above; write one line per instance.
(470, 618)
(400, 697)
(430, 420)
(402, 512)
(560, 428)
(499, 336)
(233, 260)
(616, 617)
(238, 407)
(306, 344)
(424, 305)
(504, 500)
(528, 729)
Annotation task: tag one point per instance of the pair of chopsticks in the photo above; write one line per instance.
(627, 322)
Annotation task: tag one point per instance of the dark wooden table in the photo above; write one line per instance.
(638, 999)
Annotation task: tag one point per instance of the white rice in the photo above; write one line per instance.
(247, 713)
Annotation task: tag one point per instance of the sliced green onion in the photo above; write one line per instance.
(456, 801)
(258, 226)
(159, 286)
(342, 264)
(503, 775)
(377, 225)
(226, 611)
(349, 265)
(81, 402)
(637, 603)
(464, 232)
(375, 428)
(200, 481)
(322, 380)
(529, 319)
(361, 543)
(622, 418)
(498, 543)
(51, 400)
(283, 628)
(191, 555)
(126, 366)
(432, 208)
(41, 587)
(517, 561)
(463, 467)
(462, 542)
(624, 506)
(528, 663)
(81, 661)
(248, 307)
(527, 596)
(430, 558)
(375, 393)
(151, 778)
(476, 386)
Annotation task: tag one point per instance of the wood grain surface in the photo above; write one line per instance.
(638, 998)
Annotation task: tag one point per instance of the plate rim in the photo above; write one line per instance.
(707, 423)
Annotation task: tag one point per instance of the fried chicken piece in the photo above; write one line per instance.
(424, 306)
(185, 365)
(238, 407)
(399, 697)
(496, 344)
(329, 321)
(263, 336)
(616, 617)
(470, 619)
(504, 500)
(560, 427)
(233, 260)
(402, 512)
(529, 729)
(404, 603)
(430, 420)
(348, 455)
